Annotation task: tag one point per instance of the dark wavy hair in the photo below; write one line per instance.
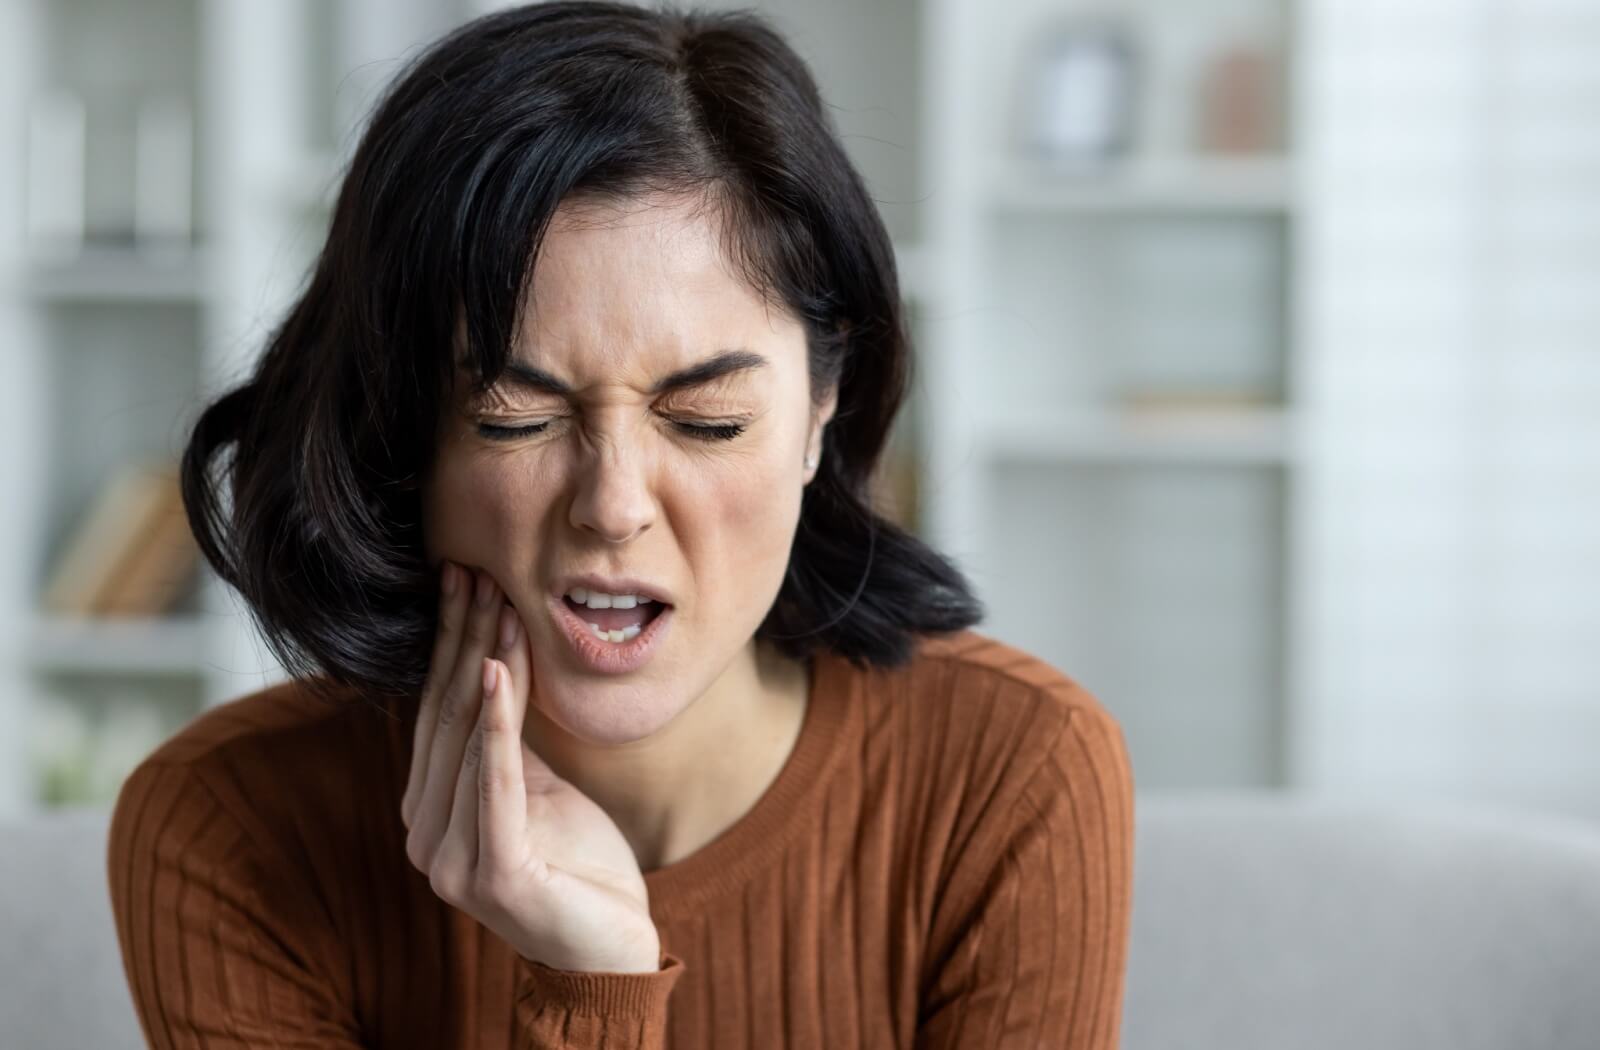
(438, 221)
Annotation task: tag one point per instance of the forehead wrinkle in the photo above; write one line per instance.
(716, 374)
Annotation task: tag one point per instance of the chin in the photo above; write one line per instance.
(606, 714)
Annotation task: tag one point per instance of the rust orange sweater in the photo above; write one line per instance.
(945, 860)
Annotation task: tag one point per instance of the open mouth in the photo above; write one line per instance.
(614, 624)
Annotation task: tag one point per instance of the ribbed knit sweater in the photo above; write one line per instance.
(944, 860)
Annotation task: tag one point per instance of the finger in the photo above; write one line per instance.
(458, 852)
(502, 794)
(458, 713)
(453, 594)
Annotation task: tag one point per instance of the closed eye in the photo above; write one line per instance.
(704, 432)
(495, 433)
(712, 431)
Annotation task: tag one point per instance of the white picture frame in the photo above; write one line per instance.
(1080, 97)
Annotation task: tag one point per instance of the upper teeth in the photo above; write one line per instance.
(602, 600)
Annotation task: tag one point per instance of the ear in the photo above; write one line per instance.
(827, 408)
(820, 418)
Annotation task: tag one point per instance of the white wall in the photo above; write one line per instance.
(1452, 287)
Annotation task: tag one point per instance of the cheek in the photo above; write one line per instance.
(744, 525)
(481, 505)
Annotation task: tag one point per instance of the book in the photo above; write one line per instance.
(151, 581)
(131, 552)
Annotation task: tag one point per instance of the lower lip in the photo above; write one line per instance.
(609, 657)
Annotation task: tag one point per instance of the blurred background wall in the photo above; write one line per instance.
(1257, 384)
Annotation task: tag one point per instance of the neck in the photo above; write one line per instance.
(681, 787)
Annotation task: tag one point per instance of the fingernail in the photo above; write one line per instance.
(508, 626)
(485, 590)
(447, 579)
(490, 674)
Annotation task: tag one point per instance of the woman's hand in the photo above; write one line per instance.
(498, 834)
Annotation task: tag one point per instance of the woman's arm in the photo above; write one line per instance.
(221, 947)
(226, 949)
(1032, 937)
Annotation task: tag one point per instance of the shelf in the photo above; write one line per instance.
(101, 273)
(1198, 186)
(151, 646)
(1257, 436)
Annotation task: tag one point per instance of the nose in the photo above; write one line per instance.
(613, 499)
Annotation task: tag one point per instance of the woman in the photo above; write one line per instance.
(617, 716)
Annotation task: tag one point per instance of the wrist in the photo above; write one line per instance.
(640, 956)
(645, 957)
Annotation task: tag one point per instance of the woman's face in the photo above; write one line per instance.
(614, 482)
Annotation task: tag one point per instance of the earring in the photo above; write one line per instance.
(811, 461)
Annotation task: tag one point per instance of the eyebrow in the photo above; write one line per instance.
(726, 362)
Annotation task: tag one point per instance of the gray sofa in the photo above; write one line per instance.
(1270, 921)
(1261, 922)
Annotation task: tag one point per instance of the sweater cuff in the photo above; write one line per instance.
(543, 990)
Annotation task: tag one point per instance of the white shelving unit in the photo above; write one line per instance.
(1141, 552)
(1144, 552)
(111, 349)
(103, 351)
